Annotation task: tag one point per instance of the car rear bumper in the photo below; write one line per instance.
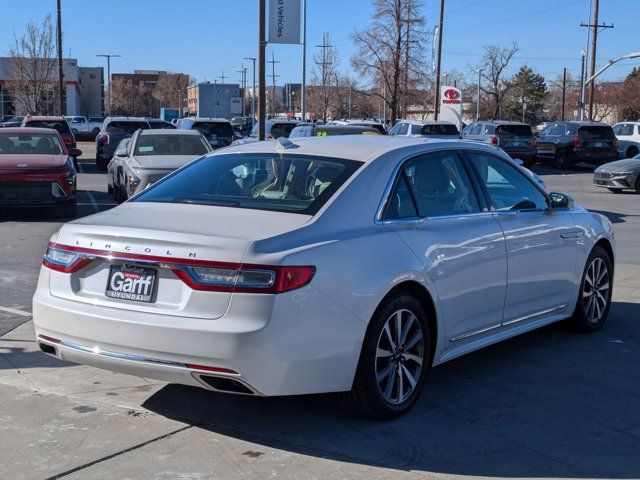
(292, 343)
(596, 155)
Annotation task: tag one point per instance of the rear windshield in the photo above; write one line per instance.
(377, 126)
(519, 130)
(59, 125)
(161, 125)
(589, 133)
(282, 129)
(171, 145)
(214, 129)
(26, 143)
(283, 183)
(443, 129)
(126, 127)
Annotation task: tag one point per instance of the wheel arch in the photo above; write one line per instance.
(605, 244)
(424, 297)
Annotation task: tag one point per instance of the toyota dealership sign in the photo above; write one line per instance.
(451, 105)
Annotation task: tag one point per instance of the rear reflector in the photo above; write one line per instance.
(49, 339)
(206, 368)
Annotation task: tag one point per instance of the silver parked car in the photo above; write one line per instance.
(151, 155)
(619, 175)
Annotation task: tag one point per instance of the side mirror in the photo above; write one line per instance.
(121, 152)
(561, 201)
(74, 152)
(518, 161)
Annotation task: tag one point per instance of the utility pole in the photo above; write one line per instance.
(243, 82)
(273, 76)
(222, 77)
(324, 64)
(564, 91)
(349, 101)
(261, 65)
(303, 96)
(109, 56)
(524, 105)
(594, 46)
(253, 91)
(61, 92)
(436, 105)
(478, 95)
(583, 55)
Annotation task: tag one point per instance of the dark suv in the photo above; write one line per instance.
(515, 138)
(116, 129)
(567, 143)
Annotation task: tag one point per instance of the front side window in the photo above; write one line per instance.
(432, 185)
(508, 188)
(26, 143)
(171, 145)
(259, 181)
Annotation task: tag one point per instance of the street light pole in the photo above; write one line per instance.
(478, 95)
(436, 105)
(582, 89)
(108, 56)
(60, 75)
(262, 14)
(253, 91)
(303, 98)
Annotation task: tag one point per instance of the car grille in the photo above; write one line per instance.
(25, 192)
(602, 175)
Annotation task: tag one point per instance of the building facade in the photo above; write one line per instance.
(221, 100)
(91, 91)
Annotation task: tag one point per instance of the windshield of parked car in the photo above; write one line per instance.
(593, 132)
(126, 127)
(263, 181)
(518, 130)
(439, 129)
(214, 129)
(27, 143)
(171, 145)
(59, 125)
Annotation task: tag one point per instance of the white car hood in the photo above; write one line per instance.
(180, 230)
(161, 162)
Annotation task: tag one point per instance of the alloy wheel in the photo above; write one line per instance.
(399, 356)
(595, 291)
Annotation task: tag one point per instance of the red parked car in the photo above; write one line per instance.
(36, 169)
(57, 123)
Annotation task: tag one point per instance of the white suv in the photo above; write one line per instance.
(628, 135)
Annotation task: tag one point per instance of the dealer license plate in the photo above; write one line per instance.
(130, 282)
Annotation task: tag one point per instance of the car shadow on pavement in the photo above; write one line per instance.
(614, 217)
(550, 403)
(546, 169)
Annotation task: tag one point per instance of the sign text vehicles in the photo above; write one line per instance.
(284, 21)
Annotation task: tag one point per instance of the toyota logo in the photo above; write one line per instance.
(451, 94)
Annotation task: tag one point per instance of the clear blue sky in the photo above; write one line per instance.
(202, 37)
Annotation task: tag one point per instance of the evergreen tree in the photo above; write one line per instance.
(531, 86)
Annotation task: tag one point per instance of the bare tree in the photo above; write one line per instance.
(324, 78)
(33, 83)
(495, 63)
(171, 89)
(391, 52)
(130, 99)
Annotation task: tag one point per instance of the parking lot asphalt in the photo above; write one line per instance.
(549, 404)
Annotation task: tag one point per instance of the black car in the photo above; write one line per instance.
(115, 129)
(567, 143)
(515, 138)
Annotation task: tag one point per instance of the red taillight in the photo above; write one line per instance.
(206, 368)
(62, 260)
(576, 142)
(494, 140)
(104, 138)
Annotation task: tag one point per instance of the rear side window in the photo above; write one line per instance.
(126, 127)
(443, 129)
(518, 130)
(214, 129)
(282, 130)
(60, 126)
(284, 183)
(596, 132)
(435, 184)
(490, 129)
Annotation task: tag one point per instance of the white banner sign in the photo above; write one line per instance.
(284, 21)
(451, 105)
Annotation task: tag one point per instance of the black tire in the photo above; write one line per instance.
(365, 397)
(560, 160)
(632, 152)
(582, 319)
(94, 133)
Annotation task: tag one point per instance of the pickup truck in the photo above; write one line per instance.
(85, 128)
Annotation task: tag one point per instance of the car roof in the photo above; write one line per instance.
(362, 148)
(503, 122)
(169, 131)
(47, 118)
(583, 123)
(28, 130)
(426, 122)
(207, 119)
(126, 119)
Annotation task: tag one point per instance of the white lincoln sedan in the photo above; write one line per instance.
(337, 264)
